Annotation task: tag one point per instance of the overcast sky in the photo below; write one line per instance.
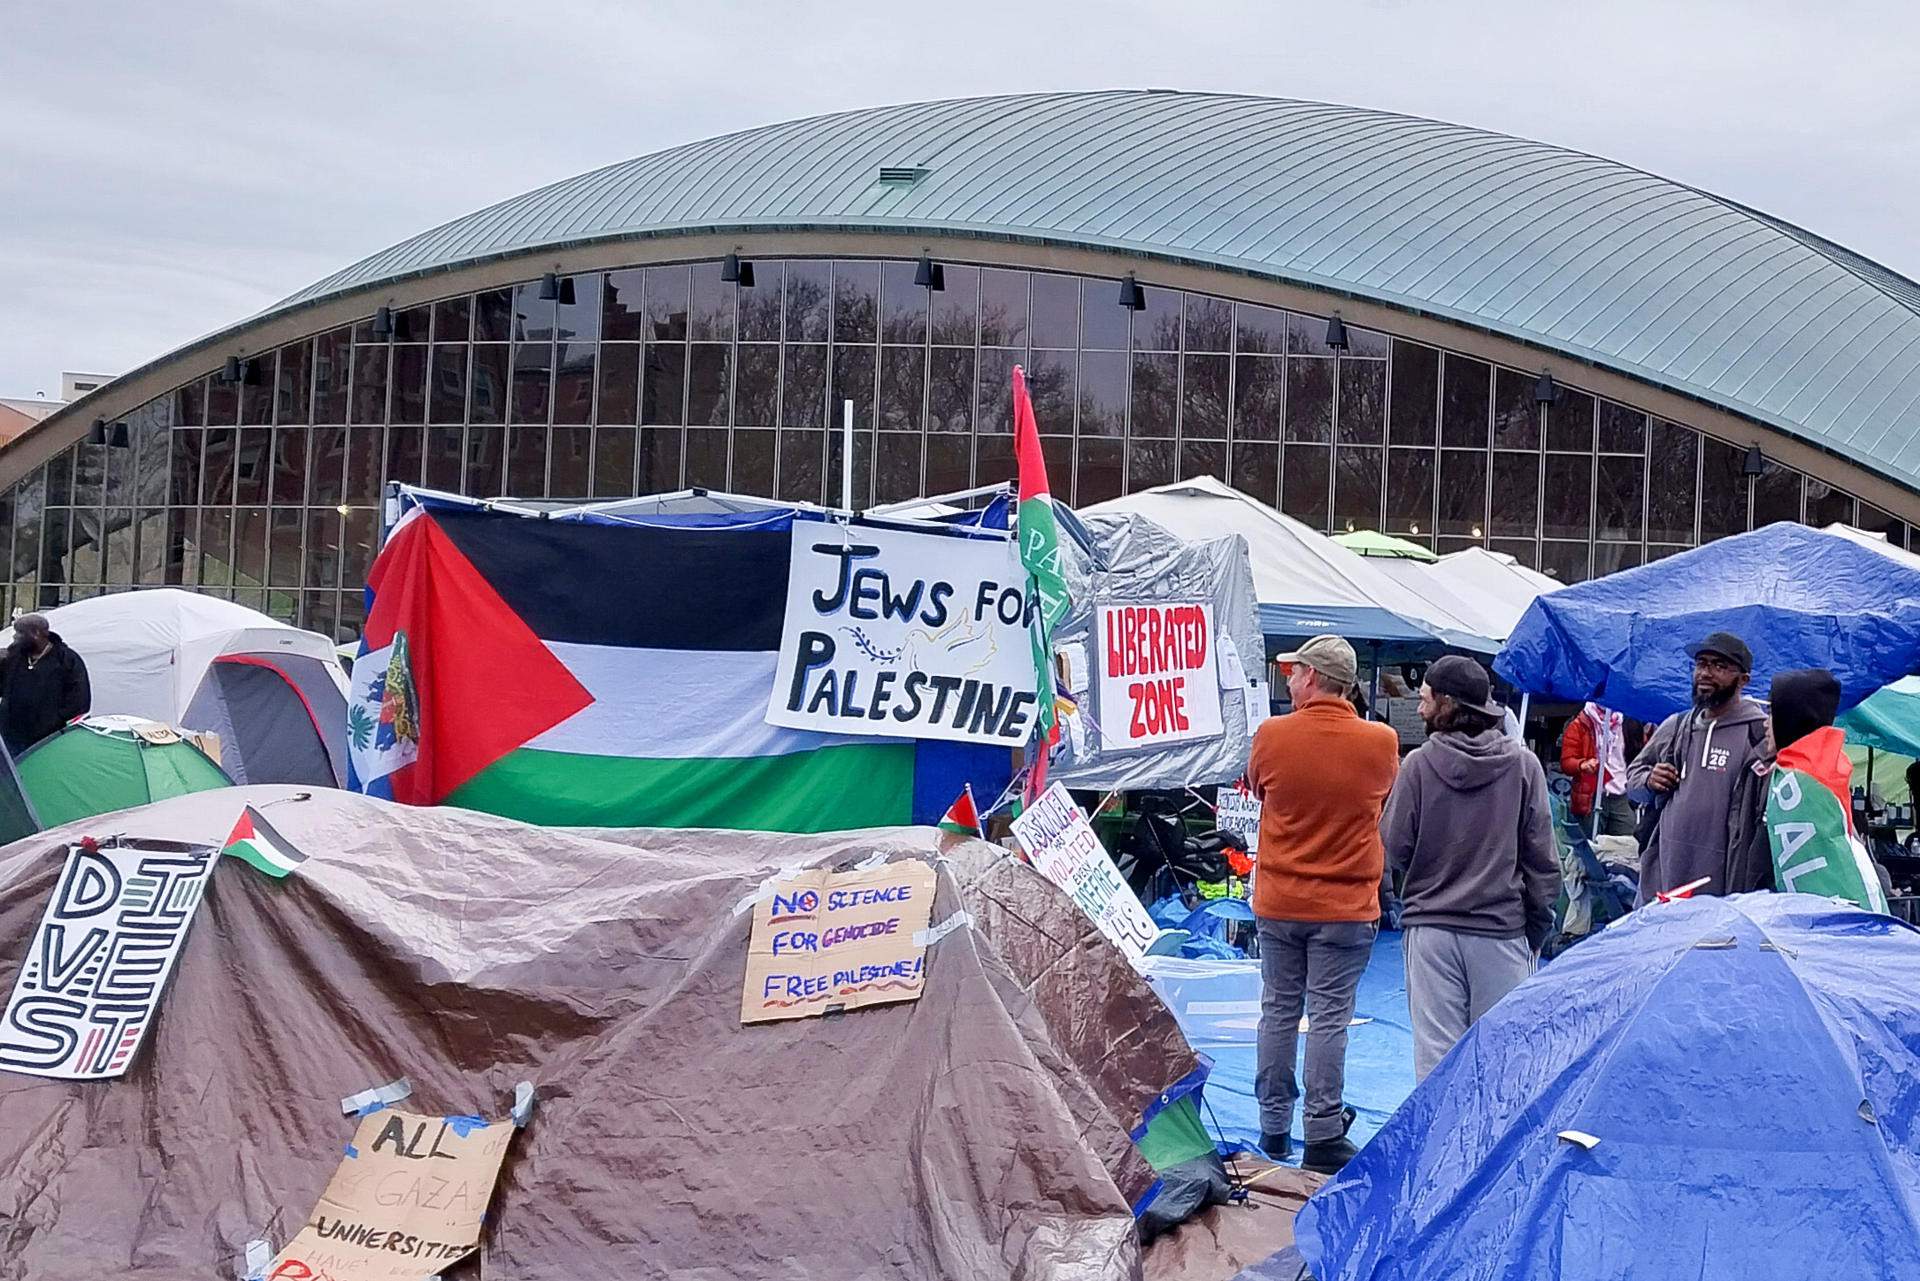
(167, 169)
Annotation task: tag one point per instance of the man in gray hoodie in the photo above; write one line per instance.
(1703, 781)
(1469, 829)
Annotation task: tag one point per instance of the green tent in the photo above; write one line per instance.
(1368, 542)
(1888, 720)
(107, 763)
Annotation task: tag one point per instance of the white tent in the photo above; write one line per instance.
(274, 694)
(1306, 583)
(1488, 590)
(1878, 542)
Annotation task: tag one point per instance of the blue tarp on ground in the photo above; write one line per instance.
(1218, 1006)
(1797, 596)
(1750, 1070)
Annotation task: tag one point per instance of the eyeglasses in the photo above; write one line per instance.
(1715, 664)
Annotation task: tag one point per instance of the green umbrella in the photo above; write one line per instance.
(1889, 720)
(1368, 542)
(108, 763)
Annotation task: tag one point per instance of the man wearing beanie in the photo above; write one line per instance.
(1469, 828)
(1810, 798)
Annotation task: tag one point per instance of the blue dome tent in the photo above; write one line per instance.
(1716, 1089)
(1799, 597)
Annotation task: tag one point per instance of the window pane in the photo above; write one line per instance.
(1155, 391)
(1158, 327)
(491, 362)
(260, 377)
(366, 452)
(853, 374)
(184, 479)
(756, 388)
(1723, 491)
(1103, 322)
(1203, 458)
(809, 287)
(1149, 463)
(1570, 421)
(1365, 344)
(1050, 384)
(252, 464)
(622, 314)
(1307, 335)
(1524, 550)
(903, 305)
(1825, 504)
(190, 404)
(752, 470)
(330, 368)
(446, 449)
(573, 383)
(1776, 495)
(1304, 483)
(1622, 430)
(856, 300)
(949, 458)
(713, 304)
(1610, 558)
(993, 461)
(292, 383)
(447, 403)
(485, 461)
(1516, 495)
(1056, 310)
(862, 469)
(660, 456)
(1620, 495)
(1673, 461)
(1463, 493)
(759, 306)
(453, 319)
(1204, 398)
(411, 324)
(370, 384)
(1363, 402)
(1003, 308)
(1260, 329)
(1464, 410)
(1410, 491)
(803, 399)
(897, 472)
(493, 316)
(1416, 393)
(406, 454)
(219, 471)
(903, 387)
(667, 302)
(283, 547)
(1567, 562)
(1209, 324)
(1356, 487)
(995, 392)
(1100, 470)
(613, 451)
(578, 320)
(527, 461)
(956, 308)
(1516, 418)
(1259, 390)
(223, 403)
(710, 385)
(409, 390)
(1875, 521)
(1256, 470)
(532, 382)
(1569, 497)
(1309, 398)
(619, 383)
(663, 384)
(250, 547)
(950, 395)
(356, 549)
(216, 549)
(1103, 393)
(800, 471)
(570, 452)
(533, 316)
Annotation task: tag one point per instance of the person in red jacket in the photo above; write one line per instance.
(1596, 738)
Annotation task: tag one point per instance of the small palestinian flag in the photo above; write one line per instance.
(256, 842)
(963, 816)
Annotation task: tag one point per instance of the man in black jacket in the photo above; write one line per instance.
(43, 684)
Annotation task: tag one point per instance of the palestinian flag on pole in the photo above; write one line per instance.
(255, 841)
(1039, 539)
(1810, 823)
(598, 673)
(963, 816)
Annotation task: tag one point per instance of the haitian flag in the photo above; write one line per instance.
(599, 673)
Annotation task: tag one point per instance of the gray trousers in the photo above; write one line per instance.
(1615, 817)
(1452, 979)
(1312, 967)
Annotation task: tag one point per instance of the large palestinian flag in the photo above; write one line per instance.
(1810, 823)
(588, 673)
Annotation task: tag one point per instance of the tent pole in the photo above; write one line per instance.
(846, 455)
(1373, 691)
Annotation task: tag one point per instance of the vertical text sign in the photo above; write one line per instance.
(827, 941)
(1060, 842)
(1158, 681)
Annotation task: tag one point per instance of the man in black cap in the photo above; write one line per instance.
(1469, 827)
(1703, 781)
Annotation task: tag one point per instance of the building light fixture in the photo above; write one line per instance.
(929, 274)
(1132, 296)
(109, 435)
(1755, 463)
(550, 288)
(1544, 391)
(735, 272)
(1476, 532)
(1336, 334)
(566, 291)
(382, 324)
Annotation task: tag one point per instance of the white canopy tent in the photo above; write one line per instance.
(274, 694)
(1306, 583)
(1488, 590)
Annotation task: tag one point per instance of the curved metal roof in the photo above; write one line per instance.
(1555, 248)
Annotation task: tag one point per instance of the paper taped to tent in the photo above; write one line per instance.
(711, 661)
(1010, 1122)
(273, 694)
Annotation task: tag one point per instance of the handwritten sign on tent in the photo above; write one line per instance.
(828, 941)
(96, 967)
(405, 1202)
(1158, 680)
(1062, 845)
(1239, 813)
(904, 635)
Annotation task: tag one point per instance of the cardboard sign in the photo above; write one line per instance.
(1158, 676)
(830, 941)
(1237, 812)
(905, 635)
(1061, 844)
(95, 968)
(405, 1203)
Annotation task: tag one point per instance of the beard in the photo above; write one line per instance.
(1709, 696)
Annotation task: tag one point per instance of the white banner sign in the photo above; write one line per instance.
(94, 970)
(1061, 844)
(904, 634)
(1158, 681)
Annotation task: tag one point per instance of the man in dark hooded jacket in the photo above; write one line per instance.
(1469, 828)
(1703, 777)
(43, 684)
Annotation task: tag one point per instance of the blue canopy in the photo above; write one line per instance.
(1798, 597)
(1720, 1089)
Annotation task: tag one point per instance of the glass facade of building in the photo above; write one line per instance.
(267, 489)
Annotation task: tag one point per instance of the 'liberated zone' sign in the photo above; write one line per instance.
(904, 635)
(826, 941)
(1157, 675)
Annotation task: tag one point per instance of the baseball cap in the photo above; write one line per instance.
(1728, 646)
(1466, 683)
(1331, 656)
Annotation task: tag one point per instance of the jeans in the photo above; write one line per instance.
(1313, 966)
(1452, 979)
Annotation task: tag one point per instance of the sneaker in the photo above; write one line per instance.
(1328, 1156)
(1278, 1147)
(1348, 1115)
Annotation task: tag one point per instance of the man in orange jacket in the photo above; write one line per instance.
(1594, 739)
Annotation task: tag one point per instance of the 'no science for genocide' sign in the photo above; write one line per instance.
(826, 941)
(905, 635)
